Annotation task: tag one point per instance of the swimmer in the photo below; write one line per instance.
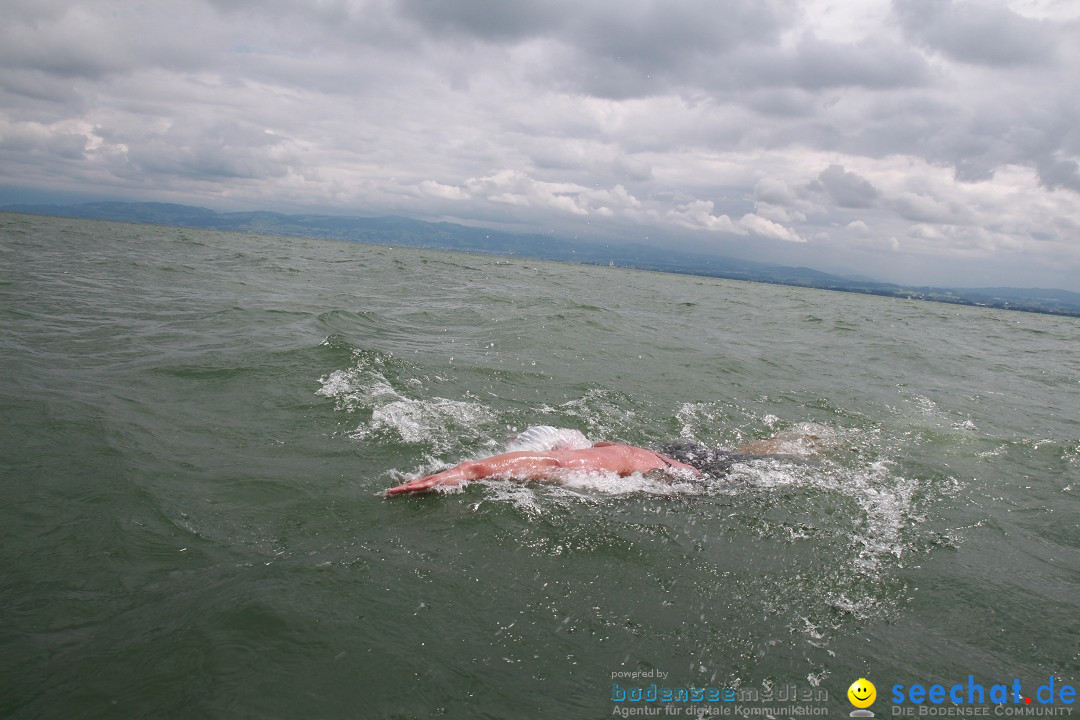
(687, 459)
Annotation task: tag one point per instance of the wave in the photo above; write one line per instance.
(382, 390)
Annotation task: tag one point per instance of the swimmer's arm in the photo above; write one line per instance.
(515, 466)
(454, 476)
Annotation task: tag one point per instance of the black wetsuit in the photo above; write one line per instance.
(715, 462)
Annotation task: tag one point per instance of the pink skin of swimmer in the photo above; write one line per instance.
(607, 457)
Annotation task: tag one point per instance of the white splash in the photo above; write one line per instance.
(423, 420)
(886, 500)
(365, 387)
(634, 484)
(540, 438)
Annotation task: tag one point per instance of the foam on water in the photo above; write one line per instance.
(839, 468)
(418, 421)
(545, 437)
(694, 417)
(886, 501)
(875, 536)
(602, 412)
(633, 484)
(868, 541)
(365, 388)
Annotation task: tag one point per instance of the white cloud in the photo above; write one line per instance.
(757, 225)
(699, 214)
(948, 126)
(432, 188)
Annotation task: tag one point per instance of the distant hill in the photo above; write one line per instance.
(401, 231)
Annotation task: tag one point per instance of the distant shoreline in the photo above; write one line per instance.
(405, 232)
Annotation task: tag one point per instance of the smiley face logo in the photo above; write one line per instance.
(862, 693)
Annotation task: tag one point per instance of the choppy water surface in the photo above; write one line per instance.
(196, 429)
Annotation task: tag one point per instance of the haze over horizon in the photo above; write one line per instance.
(930, 142)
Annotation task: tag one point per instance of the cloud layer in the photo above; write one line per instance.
(929, 141)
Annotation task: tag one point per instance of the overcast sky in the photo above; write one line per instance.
(919, 141)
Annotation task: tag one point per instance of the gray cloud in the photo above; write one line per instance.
(976, 32)
(815, 64)
(489, 20)
(923, 208)
(1060, 173)
(218, 150)
(894, 134)
(848, 189)
(647, 34)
